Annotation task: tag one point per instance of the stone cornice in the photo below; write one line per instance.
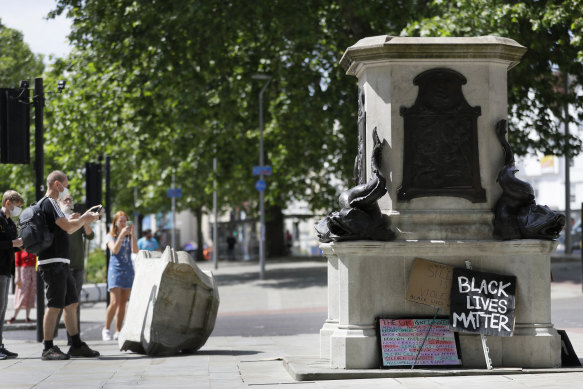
(384, 48)
(438, 247)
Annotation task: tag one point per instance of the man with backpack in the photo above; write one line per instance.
(53, 266)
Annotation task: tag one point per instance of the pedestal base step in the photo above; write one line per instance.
(306, 368)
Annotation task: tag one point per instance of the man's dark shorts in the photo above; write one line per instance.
(59, 284)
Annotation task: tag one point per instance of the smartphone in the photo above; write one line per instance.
(98, 209)
(79, 208)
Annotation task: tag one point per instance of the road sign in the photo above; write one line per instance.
(265, 170)
(260, 185)
(174, 192)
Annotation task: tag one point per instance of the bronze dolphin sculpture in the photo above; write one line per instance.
(516, 215)
(360, 217)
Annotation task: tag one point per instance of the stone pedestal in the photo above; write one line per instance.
(368, 279)
(387, 68)
(435, 103)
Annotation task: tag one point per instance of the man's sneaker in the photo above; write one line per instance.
(54, 354)
(9, 354)
(105, 334)
(82, 351)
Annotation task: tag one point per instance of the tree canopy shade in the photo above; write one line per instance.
(161, 85)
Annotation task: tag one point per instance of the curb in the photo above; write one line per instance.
(317, 369)
(561, 257)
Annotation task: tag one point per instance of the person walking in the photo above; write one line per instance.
(11, 207)
(76, 251)
(148, 242)
(25, 283)
(231, 241)
(53, 267)
(121, 242)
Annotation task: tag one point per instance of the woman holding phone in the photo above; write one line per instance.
(121, 242)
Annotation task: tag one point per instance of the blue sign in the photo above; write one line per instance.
(260, 185)
(174, 192)
(265, 170)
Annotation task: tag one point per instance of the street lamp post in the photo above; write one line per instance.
(39, 165)
(267, 79)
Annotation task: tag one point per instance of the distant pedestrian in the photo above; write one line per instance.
(148, 242)
(12, 204)
(231, 241)
(120, 273)
(288, 241)
(25, 284)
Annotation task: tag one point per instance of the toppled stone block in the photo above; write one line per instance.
(173, 305)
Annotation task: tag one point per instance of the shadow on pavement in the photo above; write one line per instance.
(569, 272)
(127, 356)
(227, 352)
(296, 278)
(278, 324)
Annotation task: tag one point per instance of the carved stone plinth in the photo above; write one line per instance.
(368, 279)
(435, 103)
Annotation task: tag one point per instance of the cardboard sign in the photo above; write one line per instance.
(400, 340)
(430, 283)
(482, 302)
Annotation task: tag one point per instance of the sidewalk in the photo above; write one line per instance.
(296, 286)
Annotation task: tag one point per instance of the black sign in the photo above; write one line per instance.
(440, 156)
(482, 302)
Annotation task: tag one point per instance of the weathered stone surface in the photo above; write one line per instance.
(386, 68)
(367, 279)
(173, 306)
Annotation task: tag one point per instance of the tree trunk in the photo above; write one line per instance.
(274, 239)
(139, 231)
(199, 238)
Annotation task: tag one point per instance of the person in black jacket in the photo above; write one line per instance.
(11, 207)
(53, 267)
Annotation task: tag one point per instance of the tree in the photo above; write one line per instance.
(553, 33)
(185, 87)
(161, 85)
(17, 63)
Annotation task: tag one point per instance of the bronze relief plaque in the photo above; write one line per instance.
(441, 140)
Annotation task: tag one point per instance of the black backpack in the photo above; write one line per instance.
(34, 231)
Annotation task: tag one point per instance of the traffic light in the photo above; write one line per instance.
(92, 184)
(14, 125)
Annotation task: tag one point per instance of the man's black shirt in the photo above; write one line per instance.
(60, 246)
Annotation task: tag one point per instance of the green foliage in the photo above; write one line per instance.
(159, 86)
(162, 99)
(96, 271)
(17, 63)
(553, 33)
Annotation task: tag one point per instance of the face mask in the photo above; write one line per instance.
(64, 193)
(15, 211)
